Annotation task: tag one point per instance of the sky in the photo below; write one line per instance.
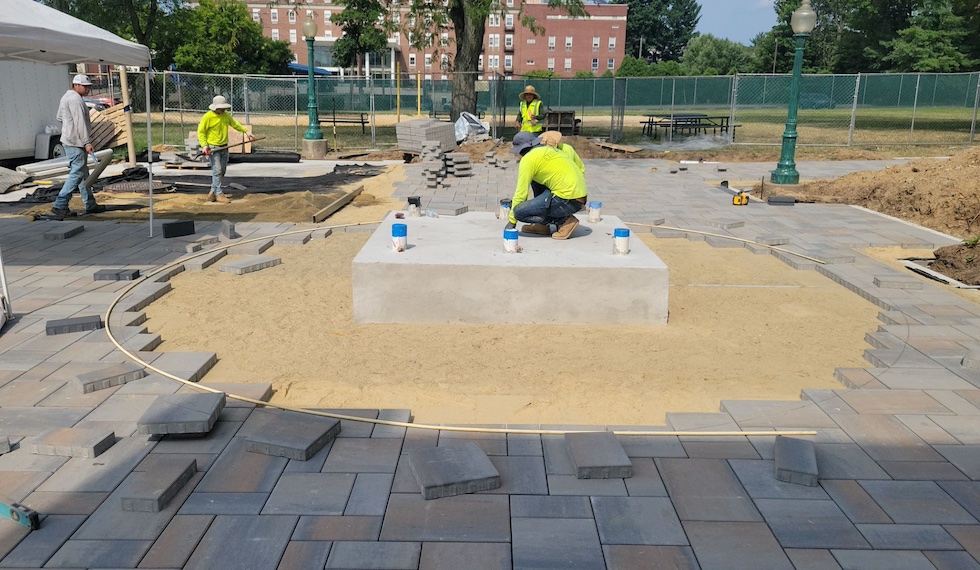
(736, 20)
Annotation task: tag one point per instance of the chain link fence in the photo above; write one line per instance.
(361, 112)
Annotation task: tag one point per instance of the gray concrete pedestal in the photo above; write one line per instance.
(455, 270)
(315, 149)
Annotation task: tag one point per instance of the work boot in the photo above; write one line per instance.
(61, 213)
(96, 209)
(211, 196)
(222, 199)
(537, 229)
(566, 228)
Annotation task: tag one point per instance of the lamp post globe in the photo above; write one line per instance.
(803, 20)
(313, 128)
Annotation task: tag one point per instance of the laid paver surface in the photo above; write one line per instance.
(897, 446)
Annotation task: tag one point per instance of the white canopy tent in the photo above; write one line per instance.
(31, 31)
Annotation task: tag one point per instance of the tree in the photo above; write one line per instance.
(359, 19)
(659, 29)
(931, 43)
(633, 67)
(428, 19)
(222, 38)
(542, 73)
(706, 53)
(583, 75)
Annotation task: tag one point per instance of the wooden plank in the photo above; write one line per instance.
(336, 205)
(619, 147)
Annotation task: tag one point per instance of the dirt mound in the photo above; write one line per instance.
(961, 262)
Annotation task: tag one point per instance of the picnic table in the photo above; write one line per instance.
(686, 124)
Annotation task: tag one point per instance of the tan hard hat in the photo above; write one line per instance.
(551, 138)
(529, 90)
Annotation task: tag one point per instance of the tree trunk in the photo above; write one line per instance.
(469, 26)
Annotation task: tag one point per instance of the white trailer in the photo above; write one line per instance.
(29, 97)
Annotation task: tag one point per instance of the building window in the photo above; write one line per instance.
(509, 21)
(494, 21)
(274, 16)
(494, 61)
(444, 61)
(411, 60)
(568, 64)
(510, 3)
(611, 64)
(275, 35)
(292, 16)
(509, 41)
(326, 16)
(595, 43)
(255, 15)
(428, 61)
(480, 66)
(595, 64)
(531, 41)
(292, 36)
(612, 44)
(508, 61)
(529, 62)
(551, 64)
(551, 43)
(396, 18)
(328, 34)
(494, 41)
(428, 76)
(568, 43)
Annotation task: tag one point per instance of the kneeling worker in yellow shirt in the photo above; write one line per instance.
(564, 191)
(212, 133)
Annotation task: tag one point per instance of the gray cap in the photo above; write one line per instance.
(524, 140)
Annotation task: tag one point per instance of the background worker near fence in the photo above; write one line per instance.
(212, 133)
(531, 112)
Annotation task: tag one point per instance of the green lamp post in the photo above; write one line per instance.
(313, 129)
(803, 21)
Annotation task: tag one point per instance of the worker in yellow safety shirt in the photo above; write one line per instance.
(553, 139)
(564, 190)
(212, 134)
(531, 112)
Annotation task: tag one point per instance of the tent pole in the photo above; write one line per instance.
(124, 86)
(149, 144)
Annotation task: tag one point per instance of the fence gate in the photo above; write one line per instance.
(618, 110)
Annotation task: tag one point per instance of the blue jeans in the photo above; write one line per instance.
(546, 208)
(78, 164)
(219, 165)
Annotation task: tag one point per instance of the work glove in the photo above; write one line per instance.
(207, 151)
(510, 226)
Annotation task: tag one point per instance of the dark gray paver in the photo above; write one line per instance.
(810, 524)
(108, 377)
(369, 496)
(952, 560)
(720, 449)
(706, 490)
(116, 275)
(646, 481)
(635, 557)
(310, 494)
(363, 455)
(242, 542)
(26, 421)
(178, 228)
(725, 545)
(73, 442)
(305, 554)
(520, 475)
(182, 414)
(99, 554)
(637, 520)
(224, 503)
(884, 438)
(291, 434)
(463, 518)
(846, 461)
(104, 475)
(452, 470)
(64, 231)
(177, 542)
(796, 461)
(73, 325)
(908, 537)
(759, 480)
(37, 547)
(812, 559)
(470, 555)
(921, 470)
(556, 543)
(571, 485)
(228, 230)
(597, 455)
(856, 503)
(151, 491)
(56, 503)
(917, 502)
(337, 528)
(966, 458)
(882, 560)
(369, 555)
(563, 507)
(238, 471)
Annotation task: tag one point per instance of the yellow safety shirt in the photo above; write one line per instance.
(548, 166)
(529, 116)
(213, 128)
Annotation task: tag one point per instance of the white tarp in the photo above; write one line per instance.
(30, 31)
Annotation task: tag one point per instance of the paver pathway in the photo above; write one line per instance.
(898, 446)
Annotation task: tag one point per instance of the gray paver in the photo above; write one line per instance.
(521, 475)
(759, 480)
(368, 555)
(363, 455)
(73, 442)
(310, 494)
(882, 559)
(239, 471)
(917, 502)
(597, 455)
(108, 377)
(635, 557)
(471, 555)
(182, 414)
(724, 545)
(855, 502)
(812, 559)
(452, 470)
(463, 518)
(242, 542)
(556, 543)
(562, 507)
(177, 542)
(73, 324)
(706, 490)
(796, 461)
(637, 520)
(369, 496)
(908, 537)
(249, 264)
(293, 435)
(305, 554)
(810, 524)
(99, 554)
(37, 547)
(224, 504)
(152, 491)
(64, 232)
(331, 528)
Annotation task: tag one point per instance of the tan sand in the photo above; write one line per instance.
(741, 326)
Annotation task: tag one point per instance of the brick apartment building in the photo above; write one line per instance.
(567, 46)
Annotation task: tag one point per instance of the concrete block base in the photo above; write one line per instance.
(455, 270)
(314, 149)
